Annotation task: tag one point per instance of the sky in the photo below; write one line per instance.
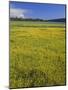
(37, 10)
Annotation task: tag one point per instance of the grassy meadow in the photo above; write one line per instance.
(37, 54)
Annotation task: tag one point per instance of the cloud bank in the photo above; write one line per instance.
(16, 12)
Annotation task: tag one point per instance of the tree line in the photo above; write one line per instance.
(26, 19)
(37, 19)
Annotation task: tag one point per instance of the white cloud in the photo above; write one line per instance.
(19, 13)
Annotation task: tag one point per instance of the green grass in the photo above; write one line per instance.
(37, 54)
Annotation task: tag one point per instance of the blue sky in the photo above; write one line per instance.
(37, 10)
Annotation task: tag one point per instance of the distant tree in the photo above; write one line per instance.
(27, 19)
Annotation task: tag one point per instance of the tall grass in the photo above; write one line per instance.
(37, 54)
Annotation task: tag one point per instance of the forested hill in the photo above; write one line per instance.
(58, 20)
